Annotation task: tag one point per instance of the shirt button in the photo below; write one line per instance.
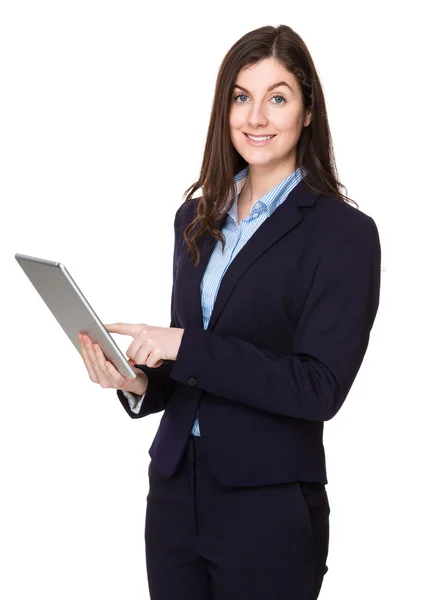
(192, 381)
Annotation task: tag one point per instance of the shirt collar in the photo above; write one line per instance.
(270, 200)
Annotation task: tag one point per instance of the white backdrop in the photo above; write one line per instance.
(99, 99)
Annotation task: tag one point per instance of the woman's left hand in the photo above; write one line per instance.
(151, 345)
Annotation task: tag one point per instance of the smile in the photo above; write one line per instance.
(258, 141)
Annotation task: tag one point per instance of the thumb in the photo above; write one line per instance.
(133, 364)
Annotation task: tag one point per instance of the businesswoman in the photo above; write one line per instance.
(276, 280)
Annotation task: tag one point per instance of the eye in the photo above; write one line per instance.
(279, 96)
(274, 96)
(239, 96)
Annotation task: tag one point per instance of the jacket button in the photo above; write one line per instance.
(192, 381)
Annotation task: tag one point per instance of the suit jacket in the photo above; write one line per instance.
(288, 333)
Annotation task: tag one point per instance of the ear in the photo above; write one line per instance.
(307, 119)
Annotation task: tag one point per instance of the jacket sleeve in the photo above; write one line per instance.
(328, 347)
(135, 400)
(160, 386)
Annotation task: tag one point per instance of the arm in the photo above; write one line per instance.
(160, 386)
(327, 350)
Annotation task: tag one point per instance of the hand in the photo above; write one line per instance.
(151, 344)
(105, 374)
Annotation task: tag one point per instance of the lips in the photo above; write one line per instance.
(258, 144)
(259, 136)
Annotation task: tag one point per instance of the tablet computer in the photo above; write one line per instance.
(68, 305)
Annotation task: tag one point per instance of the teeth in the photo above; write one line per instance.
(260, 139)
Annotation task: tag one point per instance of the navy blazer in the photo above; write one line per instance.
(287, 336)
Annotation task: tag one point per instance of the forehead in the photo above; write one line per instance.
(261, 75)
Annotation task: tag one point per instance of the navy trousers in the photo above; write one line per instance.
(208, 541)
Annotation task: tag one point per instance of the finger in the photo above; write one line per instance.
(103, 373)
(140, 341)
(116, 377)
(89, 347)
(133, 364)
(120, 381)
(87, 362)
(124, 328)
(152, 357)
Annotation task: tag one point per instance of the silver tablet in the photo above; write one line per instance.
(69, 306)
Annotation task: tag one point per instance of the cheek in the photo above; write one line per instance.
(236, 127)
(235, 122)
(284, 123)
(288, 121)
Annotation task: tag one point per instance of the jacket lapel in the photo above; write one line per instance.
(283, 219)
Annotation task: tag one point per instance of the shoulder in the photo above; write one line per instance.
(343, 215)
(185, 212)
(339, 223)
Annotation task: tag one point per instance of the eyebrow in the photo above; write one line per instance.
(271, 87)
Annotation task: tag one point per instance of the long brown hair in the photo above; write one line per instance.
(221, 161)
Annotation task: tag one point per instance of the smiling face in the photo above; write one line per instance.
(262, 105)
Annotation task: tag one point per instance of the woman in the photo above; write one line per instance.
(276, 282)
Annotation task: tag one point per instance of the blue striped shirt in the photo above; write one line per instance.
(236, 235)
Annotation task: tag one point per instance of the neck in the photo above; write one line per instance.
(261, 179)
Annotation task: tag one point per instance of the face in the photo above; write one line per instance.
(261, 109)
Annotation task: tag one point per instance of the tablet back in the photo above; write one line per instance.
(69, 306)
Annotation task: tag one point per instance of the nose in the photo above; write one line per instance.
(257, 116)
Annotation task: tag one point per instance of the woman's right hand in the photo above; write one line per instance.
(105, 374)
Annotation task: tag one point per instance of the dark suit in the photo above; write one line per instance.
(287, 335)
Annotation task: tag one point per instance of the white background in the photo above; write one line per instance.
(104, 108)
